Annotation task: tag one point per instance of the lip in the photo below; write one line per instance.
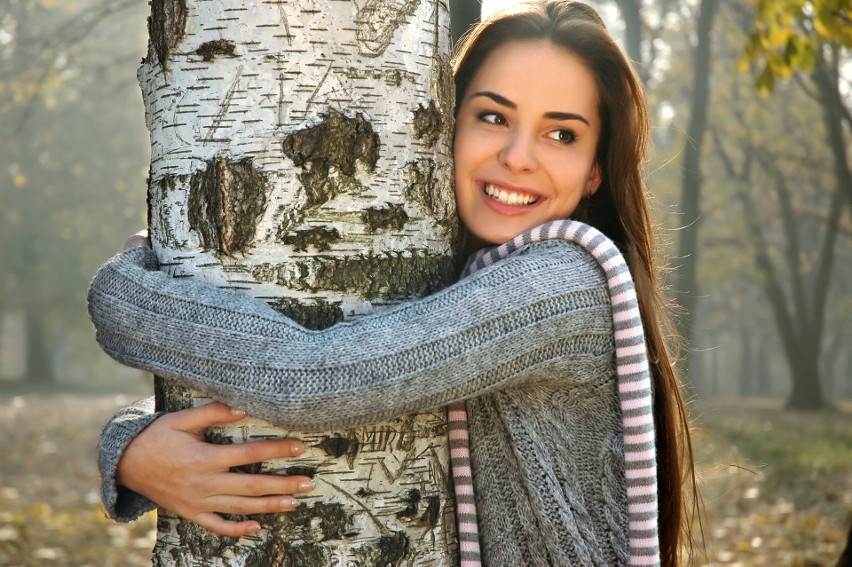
(504, 209)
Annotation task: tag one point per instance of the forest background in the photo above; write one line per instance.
(750, 104)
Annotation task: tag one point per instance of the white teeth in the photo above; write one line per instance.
(502, 196)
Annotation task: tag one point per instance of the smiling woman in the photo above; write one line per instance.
(526, 140)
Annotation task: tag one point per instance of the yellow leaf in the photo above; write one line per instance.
(811, 522)
(20, 180)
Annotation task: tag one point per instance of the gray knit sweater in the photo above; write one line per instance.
(528, 342)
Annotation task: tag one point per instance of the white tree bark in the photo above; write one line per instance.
(301, 153)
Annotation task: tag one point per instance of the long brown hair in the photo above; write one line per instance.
(619, 209)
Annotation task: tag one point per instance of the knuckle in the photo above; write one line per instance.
(253, 486)
(252, 452)
(194, 458)
(234, 507)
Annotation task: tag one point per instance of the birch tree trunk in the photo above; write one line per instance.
(301, 154)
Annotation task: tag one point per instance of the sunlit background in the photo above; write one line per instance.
(772, 317)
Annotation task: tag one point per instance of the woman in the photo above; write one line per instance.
(551, 125)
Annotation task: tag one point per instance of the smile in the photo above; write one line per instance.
(505, 197)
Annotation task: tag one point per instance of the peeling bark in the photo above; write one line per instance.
(226, 201)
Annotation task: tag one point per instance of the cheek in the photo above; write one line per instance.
(460, 150)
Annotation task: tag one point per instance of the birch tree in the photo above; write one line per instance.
(300, 152)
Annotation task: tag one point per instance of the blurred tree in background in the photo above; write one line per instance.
(808, 174)
(72, 159)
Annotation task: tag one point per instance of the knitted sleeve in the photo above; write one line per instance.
(526, 316)
(120, 503)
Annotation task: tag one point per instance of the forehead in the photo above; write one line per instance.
(538, 73)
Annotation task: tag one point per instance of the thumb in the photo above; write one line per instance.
(200, 418)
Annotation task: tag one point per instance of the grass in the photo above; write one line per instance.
(777, 485)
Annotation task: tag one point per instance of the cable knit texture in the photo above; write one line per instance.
(634, 392)
(527, 341)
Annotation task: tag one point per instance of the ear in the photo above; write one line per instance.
(593, 182)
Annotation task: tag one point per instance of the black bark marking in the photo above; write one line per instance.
(166, 27)
(445, 94)
(333, 521)
(388, 551)
(170, 396)
(202, 544)
(259, 556)
(288, 219)
(210, 49)
(320, 237)
(412, 500)
(339, 446)
(319, 314)
(420, 181)
(378, 20)
(432, 513)
(301, 554)
(422, 186)
(253, 468)
(299, 471)
(427, 123)
(390, 276)
(217, 437)
(392, 216)
(226, 201)
(166, 234)
(425, 187)
(338, 142)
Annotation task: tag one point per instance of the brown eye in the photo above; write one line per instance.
(563, 136)
(492, 118)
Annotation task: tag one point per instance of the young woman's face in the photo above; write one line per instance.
(526, 136)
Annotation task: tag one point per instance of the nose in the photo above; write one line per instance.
(518, 153)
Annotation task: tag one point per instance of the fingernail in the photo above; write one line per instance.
(307, 485)
(287, 502)
(297, 449)
(253, 529)
(236, 411)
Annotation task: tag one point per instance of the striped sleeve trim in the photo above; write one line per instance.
(634, 391)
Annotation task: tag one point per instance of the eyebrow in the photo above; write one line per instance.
(554, 115)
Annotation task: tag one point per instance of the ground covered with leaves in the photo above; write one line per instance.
(777, 485)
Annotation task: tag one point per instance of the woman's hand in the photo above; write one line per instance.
(170, 463)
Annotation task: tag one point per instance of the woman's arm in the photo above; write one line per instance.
(150, 459)
(544, 305)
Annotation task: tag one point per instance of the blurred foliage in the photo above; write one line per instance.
(73, 157)
(50, 511)
(787, 35)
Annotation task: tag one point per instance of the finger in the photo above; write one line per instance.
(138, 239)
(238, 484)
(198, 419)
(245, 505)
(220, 526)
(251, 452)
